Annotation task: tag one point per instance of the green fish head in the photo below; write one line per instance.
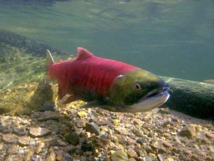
(138, 90)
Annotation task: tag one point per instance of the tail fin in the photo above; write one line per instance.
(49, 61)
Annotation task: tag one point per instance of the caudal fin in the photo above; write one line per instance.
(49, 61)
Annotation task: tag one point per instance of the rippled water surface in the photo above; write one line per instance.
(167, 37)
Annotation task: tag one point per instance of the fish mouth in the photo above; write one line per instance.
(154, 93)
(151, 100)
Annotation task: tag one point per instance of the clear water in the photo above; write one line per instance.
(167, 37)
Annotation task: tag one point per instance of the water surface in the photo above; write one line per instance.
(170, 38)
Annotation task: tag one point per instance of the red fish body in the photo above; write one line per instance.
(91, 78)
(87, 76)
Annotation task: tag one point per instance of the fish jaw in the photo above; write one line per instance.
(138, 91)
(144, 105)
(149, 103)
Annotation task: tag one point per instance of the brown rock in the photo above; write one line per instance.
(167, 144)
(209, 135)
(9, 138)
(28, 155)
(13, 158)
(119, 156)
(166, 123)
(188, 131)
(13, 149)
(38, 131)
(24, 140)
(49, 115)
(158, 145)
(137, 122)
(138, 132)
(187, 152)
(82, 114)
(39, 147)
(52, 156)
(93, 128)
(132, 154)
(161, 157)
(121, 131)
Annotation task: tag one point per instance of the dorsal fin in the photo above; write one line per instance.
(83, 53)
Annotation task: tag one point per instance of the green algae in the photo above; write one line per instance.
(17, 66)
(23, 59)
(191, 97)
(25, 98)
(23, 73)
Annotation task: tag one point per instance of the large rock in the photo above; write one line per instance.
(191, 97)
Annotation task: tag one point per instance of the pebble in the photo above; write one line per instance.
(87, 146)
(72, 138)
(48, 106)
(141, 140)
(138, 132)
(188, 131)
(209, 135)
(161, 157)
(158, 145)
(121, 131)
(49, 115)
(17, 130)
(24, 140)
(93, 128)
(6, 131)
(39, 132)
(82, 114)
(61, 143)
(14, 158)
(9, 138)
(148, 158)
(119, 156)
(13, 149)
(166, 123)
(96, 134)
(137, 122)
(132, 153)
(2, 128)
(52, 156)
(39, 146)
(167, 144)
(22, 133)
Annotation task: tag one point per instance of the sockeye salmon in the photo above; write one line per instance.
(114, 85)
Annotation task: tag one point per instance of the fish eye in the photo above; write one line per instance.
(137, 86)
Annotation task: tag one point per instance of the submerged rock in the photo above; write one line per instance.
(119, 156)
(191, 97)
(188, 131)
(38, 131)
(72, 138)
(93, 128)
(9, 138)
(24, 98)
(211, 81)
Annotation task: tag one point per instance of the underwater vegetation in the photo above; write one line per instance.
(22, 59)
